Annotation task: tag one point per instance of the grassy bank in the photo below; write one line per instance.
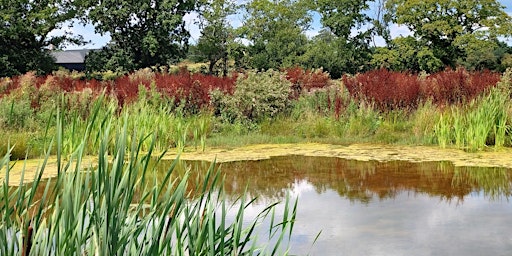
(454, 108)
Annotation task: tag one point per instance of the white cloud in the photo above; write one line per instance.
(190, 24)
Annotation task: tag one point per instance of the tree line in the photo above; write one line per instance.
(272, 34)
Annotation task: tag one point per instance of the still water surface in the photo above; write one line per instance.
(375, 208)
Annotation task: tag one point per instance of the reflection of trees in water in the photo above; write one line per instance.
(356, 180)
(362, 181)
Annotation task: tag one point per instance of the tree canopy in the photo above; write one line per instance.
(446, 32)
(216, 32)
(273, 34)
(144, 32)
(25, 34)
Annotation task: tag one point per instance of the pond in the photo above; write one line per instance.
(382, 208)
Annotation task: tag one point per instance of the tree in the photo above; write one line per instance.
(345, 19)
(406, 53)
(216, 32)
(25, 33)
(450, 29)
(335, 56)
(144, 32)
(275, 31)
(342, 16)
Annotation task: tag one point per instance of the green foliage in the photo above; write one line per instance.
(15, 114)
(362, 120)
(275, 30)
(256, 96)
(406, 53)
(346, 52)
(216, 32)
(483, 122)
(422, 123)
(335, 55)
(120, 205)
(341, 16)
(25, 28)
(450, 30)
(144, 33)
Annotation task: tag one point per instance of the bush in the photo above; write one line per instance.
(306, 80)
(256, 96)
(387, 90)
(457, 86)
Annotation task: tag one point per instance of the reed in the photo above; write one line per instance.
(119, 207)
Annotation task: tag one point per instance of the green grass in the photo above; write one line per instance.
(480, 124)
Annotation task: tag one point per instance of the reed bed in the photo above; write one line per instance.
(121, 207)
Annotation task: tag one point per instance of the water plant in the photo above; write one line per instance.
(118, 206)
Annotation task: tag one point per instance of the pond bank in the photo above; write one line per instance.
(360, 152)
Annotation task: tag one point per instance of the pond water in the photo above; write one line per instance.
(382, 208)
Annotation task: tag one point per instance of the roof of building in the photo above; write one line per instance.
(70, 56)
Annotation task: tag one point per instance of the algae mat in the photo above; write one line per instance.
(361, 152)
(32, 166)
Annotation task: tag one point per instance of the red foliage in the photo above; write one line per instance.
(387, 90)
(455, 86)
(10, 86)
(305, 80)
(391, 90)
(192, 90)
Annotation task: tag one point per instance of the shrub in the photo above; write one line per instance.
(385, 89)
(306, 80)
(389, 90)
(256, 96)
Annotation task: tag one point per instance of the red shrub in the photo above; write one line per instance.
(482, 81)
(390, 90)
(192, 90)
(387, 90)
(125, 90)
(455, 86)
(305, 80)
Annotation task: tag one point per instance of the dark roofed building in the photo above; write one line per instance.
(71, 59)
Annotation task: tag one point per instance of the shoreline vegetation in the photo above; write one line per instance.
(450, 109)
(102, 139)
(117, 203)
(201, 116)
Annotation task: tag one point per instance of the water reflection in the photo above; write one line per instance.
(362, 181)
(375, 208)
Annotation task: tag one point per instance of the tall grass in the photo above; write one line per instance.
(483, 122)
(119, 207)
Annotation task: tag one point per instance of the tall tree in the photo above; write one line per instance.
(335, 56)
(275, 31)
(342, 16)
(216, 32)
(144, 32)
(450, 29)
(25, 33)
(353, 28)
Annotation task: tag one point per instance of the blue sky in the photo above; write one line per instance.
(97, 40)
